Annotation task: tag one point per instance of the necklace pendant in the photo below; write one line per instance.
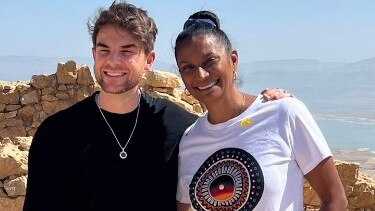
(123, 155)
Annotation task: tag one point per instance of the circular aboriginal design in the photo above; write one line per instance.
(230, 179)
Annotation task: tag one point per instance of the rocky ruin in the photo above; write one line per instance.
(24, 105)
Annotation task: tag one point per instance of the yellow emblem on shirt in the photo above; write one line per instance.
(246, 122)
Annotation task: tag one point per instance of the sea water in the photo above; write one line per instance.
(342, 134)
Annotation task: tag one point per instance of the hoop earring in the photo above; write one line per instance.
(187, 92)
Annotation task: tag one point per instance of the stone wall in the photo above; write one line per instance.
(24, 105)
(359, 188)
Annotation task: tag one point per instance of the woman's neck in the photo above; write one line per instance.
(225, 110)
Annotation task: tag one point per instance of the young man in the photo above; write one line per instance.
(128, 156)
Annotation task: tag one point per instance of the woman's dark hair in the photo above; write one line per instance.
(203, 22)
(210, 17)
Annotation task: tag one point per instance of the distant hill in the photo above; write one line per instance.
(326, 87)
(366, 65)
(21, 68)
(292, 65)
(321, 85)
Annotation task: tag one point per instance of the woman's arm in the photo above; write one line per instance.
(325, 180)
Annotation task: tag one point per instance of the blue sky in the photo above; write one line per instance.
(333, 30)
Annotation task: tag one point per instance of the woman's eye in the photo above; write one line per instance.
(188, 68)
(209, 63)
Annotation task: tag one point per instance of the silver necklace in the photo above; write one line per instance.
(122, 154)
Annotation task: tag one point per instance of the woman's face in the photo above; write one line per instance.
(206, 68)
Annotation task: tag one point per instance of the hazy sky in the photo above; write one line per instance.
(327, 30)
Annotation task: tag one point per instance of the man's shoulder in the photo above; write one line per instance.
(166, 106)
(71, 113)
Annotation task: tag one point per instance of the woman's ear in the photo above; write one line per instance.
(234, 60)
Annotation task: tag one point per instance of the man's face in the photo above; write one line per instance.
(120, 59)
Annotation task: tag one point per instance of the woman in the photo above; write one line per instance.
(245, 154)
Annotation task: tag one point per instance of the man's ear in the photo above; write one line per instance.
(150, 60)
(93, 53)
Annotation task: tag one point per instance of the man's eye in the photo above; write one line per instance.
(103, 51)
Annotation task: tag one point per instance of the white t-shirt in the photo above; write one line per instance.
(255, 161)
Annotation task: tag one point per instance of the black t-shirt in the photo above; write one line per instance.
(74, 161)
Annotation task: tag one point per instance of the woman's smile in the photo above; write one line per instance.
(208, 86)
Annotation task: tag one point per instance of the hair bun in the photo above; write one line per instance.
(192, 21)
(202, 17)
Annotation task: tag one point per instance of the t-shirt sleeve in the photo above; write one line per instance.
(184, 170)
(182, 191)
(308, 144)
(49, 164)
(176, 120)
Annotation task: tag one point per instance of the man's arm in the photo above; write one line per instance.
(47, 178)
(39, 175)
(275, 94)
